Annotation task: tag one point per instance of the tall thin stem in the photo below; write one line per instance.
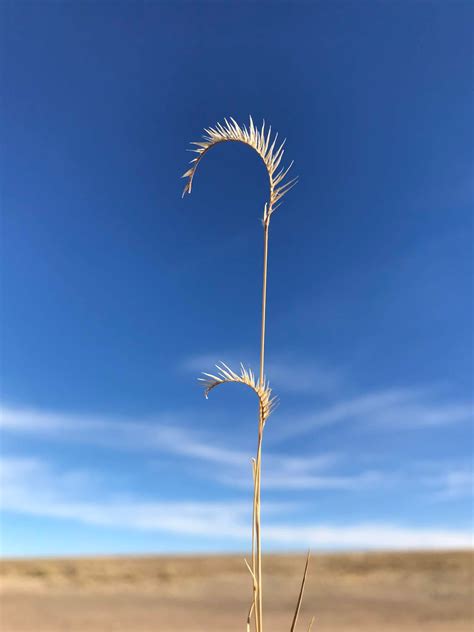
(266, 224)
(256, 527)
(260, 139)
(258, 570)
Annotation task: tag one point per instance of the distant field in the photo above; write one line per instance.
(403, 592)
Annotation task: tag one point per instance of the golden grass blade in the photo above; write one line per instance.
(249, 617)
(310, 627)
(226, 375)
(250, 571)
(300, 596)
(259, 139)
(254, 593)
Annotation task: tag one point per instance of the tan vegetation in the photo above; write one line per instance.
(261, 141)
(383, 592)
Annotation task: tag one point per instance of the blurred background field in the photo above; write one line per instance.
(353, 592)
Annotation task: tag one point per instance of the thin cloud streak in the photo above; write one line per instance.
(282, 472)
(163, 434)
(390, 409)
(24, 482)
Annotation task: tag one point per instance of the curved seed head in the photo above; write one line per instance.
(258, 139)
(225, 375)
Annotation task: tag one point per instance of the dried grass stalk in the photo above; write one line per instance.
(260, 140)
(225, 375)
(265, 145)
(300, 597)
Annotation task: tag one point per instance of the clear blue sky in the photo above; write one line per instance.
(117, 293)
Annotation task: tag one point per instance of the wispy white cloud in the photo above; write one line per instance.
(231, 466)
(30, 486)
(370, 536)
(389, 409)
(282, 472)
(160, 434)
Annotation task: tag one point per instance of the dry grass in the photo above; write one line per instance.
(389, 592)
(261, 141)
(225, 375)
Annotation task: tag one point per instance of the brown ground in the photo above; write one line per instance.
(407, 592)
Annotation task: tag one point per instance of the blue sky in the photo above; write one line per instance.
(116, 293)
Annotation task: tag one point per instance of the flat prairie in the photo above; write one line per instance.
(403, 592)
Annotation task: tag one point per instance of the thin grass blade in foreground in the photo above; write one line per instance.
(300, 596)
(265, 145)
